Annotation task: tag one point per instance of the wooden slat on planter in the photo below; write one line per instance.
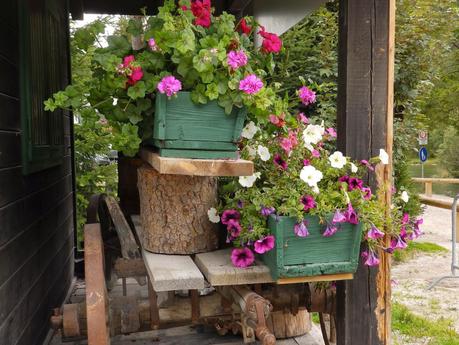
(197, 167)
(170, 272)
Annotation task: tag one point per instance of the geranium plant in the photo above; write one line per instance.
(182, 48)
(299, 172)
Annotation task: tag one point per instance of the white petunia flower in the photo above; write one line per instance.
(337, 160)
(311, 175)
(383, 156)
(404, 196)
(251, 152)
(312, 135)
(263, 152)
(115, 101)
(316, 189)
(354, 168)
(248, 181)
(249, 130)
(213, 215)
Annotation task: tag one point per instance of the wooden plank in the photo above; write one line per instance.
(9, 82)
(441, 203)
(126, 268)
(10, 149)
(435, 180)
(197, 167)
(10, 118)
(219, 271)
(9, 49)
(96, 293)
(323, 278)
(170, 272)
(129, 247)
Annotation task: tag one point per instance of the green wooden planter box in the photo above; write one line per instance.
(188, 130)
(315, 254)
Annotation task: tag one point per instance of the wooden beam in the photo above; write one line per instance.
(365, 92)
(436, 180)
(197, 167)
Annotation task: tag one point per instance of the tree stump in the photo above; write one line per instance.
(285, 324)
(173, 212)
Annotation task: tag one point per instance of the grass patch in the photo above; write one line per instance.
(415, 248)
(315, 317)
(439, 332)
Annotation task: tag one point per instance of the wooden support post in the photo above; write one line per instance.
(154, 309)
(365, 116)
(428, 188)
(195, 306)
(457, 226)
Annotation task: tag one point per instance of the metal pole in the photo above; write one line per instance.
(422, 169)
(454, 263)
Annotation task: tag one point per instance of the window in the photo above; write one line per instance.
(43, 71)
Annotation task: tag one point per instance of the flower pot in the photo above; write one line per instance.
(315, 254)
(188, 130)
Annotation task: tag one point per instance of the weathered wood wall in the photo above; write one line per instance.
(36, 217)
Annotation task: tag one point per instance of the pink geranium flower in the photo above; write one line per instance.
(152, 45)
(236, 59)
(245, 28)
(250, 84)
(331, 132)
(264, 245)
(271, 42)
(306, 95)
(201, 11)
(278, 121)
(242, 257)
(131, 70)
(303, 118)
(169, 85)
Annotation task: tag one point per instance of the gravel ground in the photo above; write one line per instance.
(412, 278)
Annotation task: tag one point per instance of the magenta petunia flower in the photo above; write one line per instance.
(169, 85)
(242, 257)
(344, 179)
(234, 228)
(306, 162)
(366, 193)
(236, 59)
(405, 218)
(278, 161)
(371, 259)
(300, 229)
(330, 230)
(367, 164)
(250, 84)
(306, 95)
(355, 183)
(266, 211)
(308, 202)
(374, 233)
(227, 215)
(338, 217)
(264, 245)
(351, 215)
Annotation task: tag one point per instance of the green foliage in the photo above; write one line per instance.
(312, 54)
(438, 332)
(416, 248)
(448, 151)
(124, 75)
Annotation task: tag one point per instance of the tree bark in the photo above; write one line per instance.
(173, 211)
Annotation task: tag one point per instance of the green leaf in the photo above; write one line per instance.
(118, 45)
(212, 91)
(134, 27)
(137, 90)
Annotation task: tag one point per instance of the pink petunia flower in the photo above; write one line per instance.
(372, 259)
(331, 132)
(242, 257)
(300, 229)
(169, 85)
(338, 217)
(279, 162)
(366, 193)
(374, 233)
(302, 118)
(351, 215)
(152, 45)
(306, 95)
(315, 153)
(264, 245)
(234, 228)
(330, 230)
(236, 59)
(250, 84)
